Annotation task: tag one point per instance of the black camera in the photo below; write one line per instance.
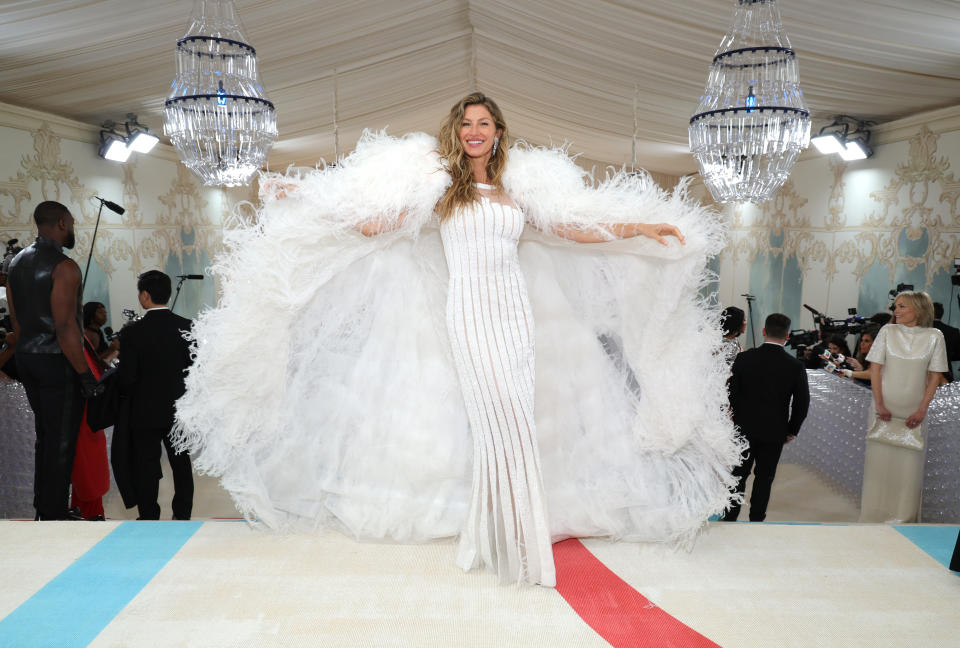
(902, 287)
(12, 250)
(802, 338)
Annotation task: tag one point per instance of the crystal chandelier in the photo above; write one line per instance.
(752, 122)
(216, 114)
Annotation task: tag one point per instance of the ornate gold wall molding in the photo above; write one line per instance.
(836, 217)
(905, 207)
(128, 243)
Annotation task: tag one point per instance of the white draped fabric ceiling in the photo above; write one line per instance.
(618, 79)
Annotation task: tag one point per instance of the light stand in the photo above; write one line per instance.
(753, 331)
(112, 206)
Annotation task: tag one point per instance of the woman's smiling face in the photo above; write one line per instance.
(477, 131)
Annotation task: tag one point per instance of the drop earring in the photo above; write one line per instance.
(496, 142)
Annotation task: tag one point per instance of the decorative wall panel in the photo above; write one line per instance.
(171, 222)
(842, 235)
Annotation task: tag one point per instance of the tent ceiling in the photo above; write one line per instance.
(600, 74)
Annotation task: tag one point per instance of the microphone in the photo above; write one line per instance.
(112, 206)
(189, 276)
(813, 310)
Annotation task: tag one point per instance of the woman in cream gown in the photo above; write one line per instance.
(907, 359)
(409, 396)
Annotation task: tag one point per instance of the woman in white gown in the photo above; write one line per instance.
(491, 330)
(369, 414)
(906, 361)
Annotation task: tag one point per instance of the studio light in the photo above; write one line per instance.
(857, 147)
(828, 143)
(139, 137)
(837, 137)
(117, 146)
(113, 145)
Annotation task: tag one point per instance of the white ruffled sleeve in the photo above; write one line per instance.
(552, 190)
(395, 182)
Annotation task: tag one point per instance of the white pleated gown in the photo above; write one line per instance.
(491, 330)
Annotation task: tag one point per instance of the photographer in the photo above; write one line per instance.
(828, 338)
(860, 369)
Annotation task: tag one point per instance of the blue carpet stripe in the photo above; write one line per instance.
(74, 607)
(937, 541)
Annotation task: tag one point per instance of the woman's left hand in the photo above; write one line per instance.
(916, 418)
(658, 232)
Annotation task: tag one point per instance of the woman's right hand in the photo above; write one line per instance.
(276, 188)
(883, 413)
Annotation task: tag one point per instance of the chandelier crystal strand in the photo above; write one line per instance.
(217, 114)
(752, 121)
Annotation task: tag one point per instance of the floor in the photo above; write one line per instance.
(219, 582)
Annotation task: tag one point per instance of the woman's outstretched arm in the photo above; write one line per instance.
(656, 231)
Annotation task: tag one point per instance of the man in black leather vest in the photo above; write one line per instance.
(43, 293)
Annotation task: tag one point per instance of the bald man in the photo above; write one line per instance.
(43, 293)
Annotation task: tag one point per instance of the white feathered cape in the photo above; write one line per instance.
(324, 392)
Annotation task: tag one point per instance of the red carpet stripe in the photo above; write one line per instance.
(617, 612)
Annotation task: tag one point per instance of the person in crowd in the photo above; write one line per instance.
(8, 343)
(951, 337)
(94, 318)
(91, 468)
(906, 362)
(733, 322)
(154, 356)
(860, 366)
(43, 287)
(837, 345)
(769, 396)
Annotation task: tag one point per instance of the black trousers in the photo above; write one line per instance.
(147, 444)
(763, 458)
(53, 390)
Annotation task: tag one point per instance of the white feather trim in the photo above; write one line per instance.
(323, 392)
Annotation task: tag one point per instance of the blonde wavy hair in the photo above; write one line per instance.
(462, 191)
(922, 305)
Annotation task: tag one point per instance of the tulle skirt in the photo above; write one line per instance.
(324, 393)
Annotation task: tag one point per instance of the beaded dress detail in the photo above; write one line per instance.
(491, 330)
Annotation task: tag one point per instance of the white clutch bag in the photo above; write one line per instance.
(895, 432)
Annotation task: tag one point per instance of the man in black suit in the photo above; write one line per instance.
(769, 397)
(154, 357)
(951, 336)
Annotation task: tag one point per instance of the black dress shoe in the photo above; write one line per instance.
(95, 518)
